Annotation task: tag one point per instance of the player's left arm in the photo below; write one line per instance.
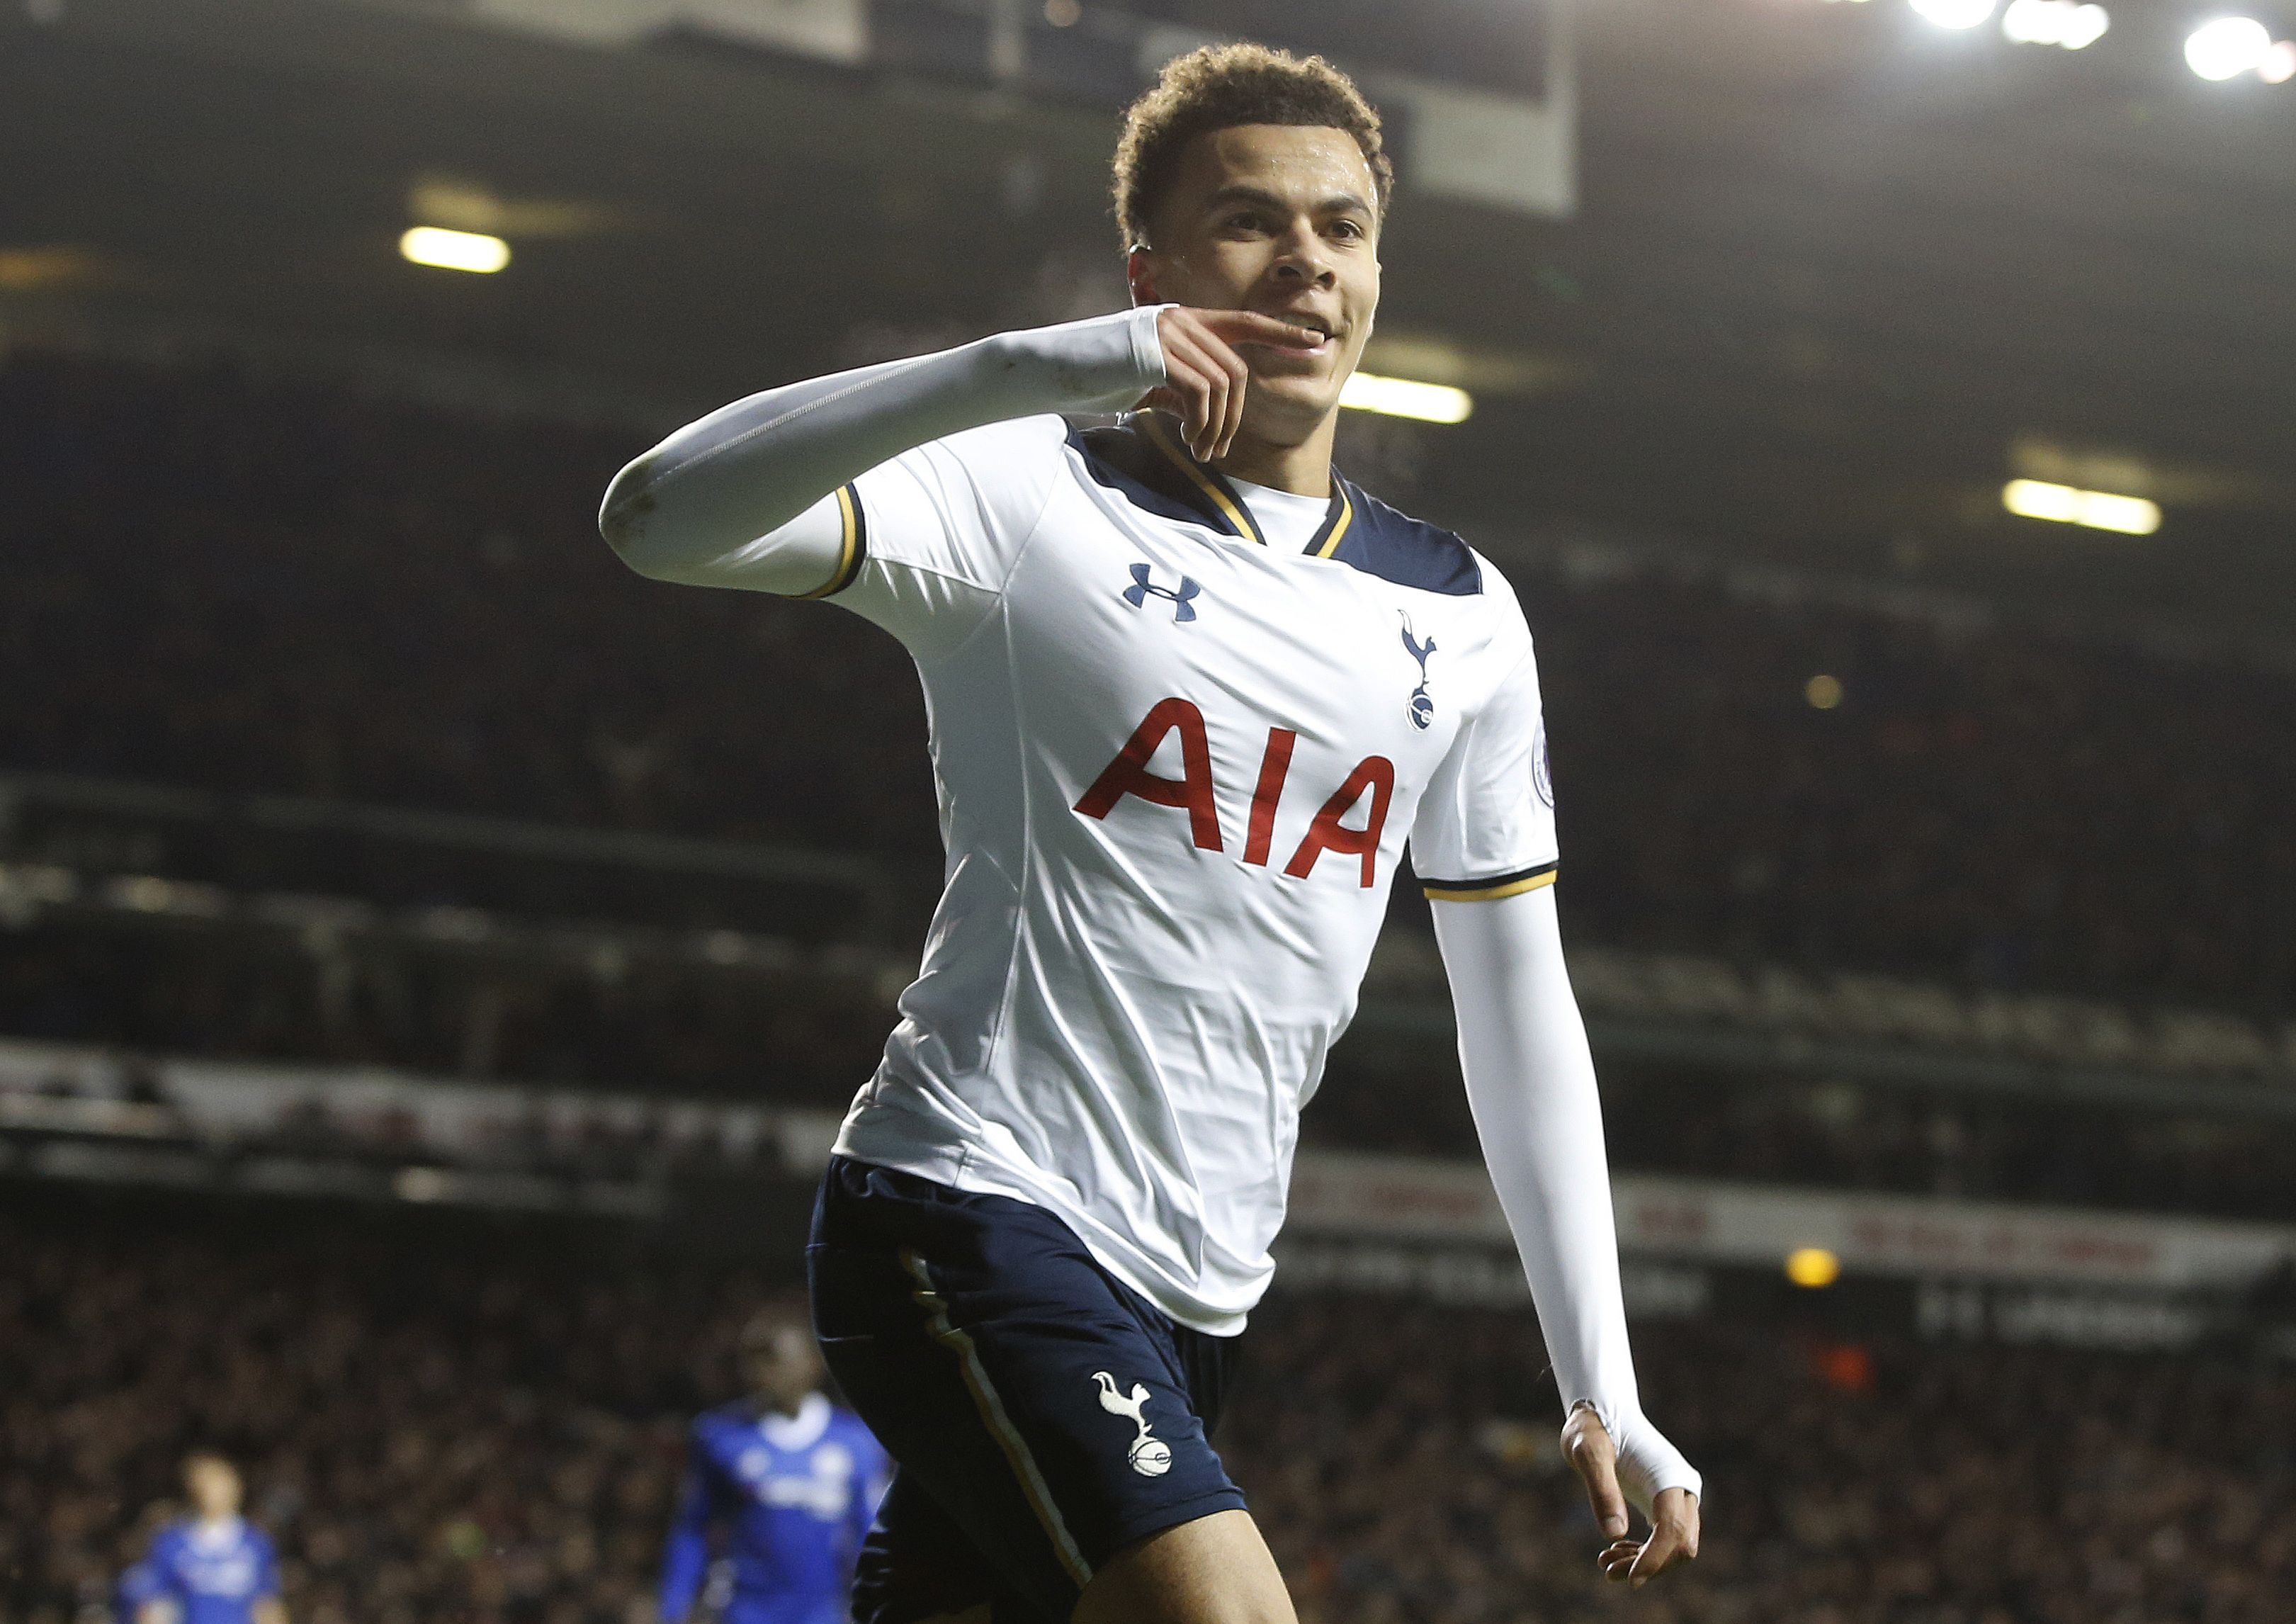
(266, 1608)
(161, 1600)
(1530, 1083)
(1484, 844)
(685, 1553)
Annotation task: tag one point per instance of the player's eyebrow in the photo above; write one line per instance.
(1240, 192)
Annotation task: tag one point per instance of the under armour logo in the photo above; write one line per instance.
(1151, 1455)
(1423, 709)
(1142, 589)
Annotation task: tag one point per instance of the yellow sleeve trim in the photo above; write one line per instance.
(1440, 891)
(850, 556)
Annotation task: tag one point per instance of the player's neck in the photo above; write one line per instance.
(1304, 469)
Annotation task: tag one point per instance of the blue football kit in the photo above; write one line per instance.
(214, 1572)
(138, 1585)
(794, 1495)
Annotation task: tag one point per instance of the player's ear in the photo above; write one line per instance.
(1140, 272)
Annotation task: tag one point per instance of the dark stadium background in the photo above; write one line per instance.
(432, 959)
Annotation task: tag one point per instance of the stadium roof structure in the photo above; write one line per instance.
(1835, 275)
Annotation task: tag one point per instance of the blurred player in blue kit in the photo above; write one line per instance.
(792, 1479)
(212, 1567)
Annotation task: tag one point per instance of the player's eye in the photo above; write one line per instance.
(1351, 230)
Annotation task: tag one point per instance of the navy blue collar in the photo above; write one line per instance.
(1142, 458)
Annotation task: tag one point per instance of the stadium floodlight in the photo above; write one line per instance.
(455, 250)
(1407, 398)
(1813, 1267)
(2227, 47)
(2099, 510)
(1955, 13)
(2279, 64)
(2069, 23)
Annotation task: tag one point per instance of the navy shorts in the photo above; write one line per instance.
(1044, 1416)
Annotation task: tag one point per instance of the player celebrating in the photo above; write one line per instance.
(795, 1479)
(1189, 691)
(214, 1567)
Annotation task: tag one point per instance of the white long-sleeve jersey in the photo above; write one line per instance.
(1176, 769)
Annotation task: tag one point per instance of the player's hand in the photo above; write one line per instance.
(1205, 378)
(1674, 1512)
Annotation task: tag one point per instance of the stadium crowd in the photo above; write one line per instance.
(207, 579)
(470, 1425)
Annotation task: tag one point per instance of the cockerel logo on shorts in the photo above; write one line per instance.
(1151, 1455)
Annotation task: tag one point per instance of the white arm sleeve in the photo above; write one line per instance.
(747, 496)
(1530, 1083)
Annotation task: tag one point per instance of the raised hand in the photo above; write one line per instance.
(1205, 378)
(1673, 1537)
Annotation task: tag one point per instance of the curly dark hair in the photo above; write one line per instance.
(1217, 87)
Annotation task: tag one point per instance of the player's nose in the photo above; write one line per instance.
(1300, 257)
(1306, 267)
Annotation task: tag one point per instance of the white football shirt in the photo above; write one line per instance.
(1177, 766)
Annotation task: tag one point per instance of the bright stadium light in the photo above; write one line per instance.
(2099, 510)
(1407, 398)
(2227, 47)
(2279, 64)
(1813, 1267)
(1955, 13)
(455, 250)
(2069, 23)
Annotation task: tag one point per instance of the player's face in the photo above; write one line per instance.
(1281, 220)
(212, 1488)
(783, 1364)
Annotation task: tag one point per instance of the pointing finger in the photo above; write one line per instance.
(1251, 327)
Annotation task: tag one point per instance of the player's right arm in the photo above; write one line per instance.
(159, 1600)
(754, 495)
(265, 1607)
(686, 1555)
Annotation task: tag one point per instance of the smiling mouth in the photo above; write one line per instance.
(1320, 325)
